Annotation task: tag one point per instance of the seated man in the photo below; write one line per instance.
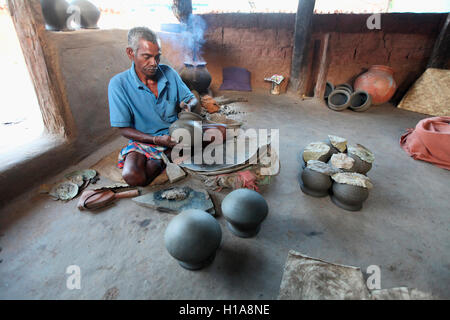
(143, 102)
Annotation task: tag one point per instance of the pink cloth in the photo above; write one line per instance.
(429, 141)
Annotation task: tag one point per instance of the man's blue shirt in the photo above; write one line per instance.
(132, 104)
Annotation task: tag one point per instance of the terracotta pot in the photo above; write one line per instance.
(378, 82)
(315, 183)
(360, 101)
(192, 237)
(339, 100)
(348, 197)
(89, 14)
(244, 210)
(196, 76)
(55, 14)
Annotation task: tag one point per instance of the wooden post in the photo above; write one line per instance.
(303, 21)
(43, 66)
(441, 51)
(182, 9)
(319, 89)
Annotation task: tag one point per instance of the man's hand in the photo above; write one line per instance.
(165, 141)
(184, 106)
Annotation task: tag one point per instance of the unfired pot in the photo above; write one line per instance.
(378, 82)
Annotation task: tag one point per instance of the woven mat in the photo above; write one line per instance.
(430, 94)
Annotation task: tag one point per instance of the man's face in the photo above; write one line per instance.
(146, 58)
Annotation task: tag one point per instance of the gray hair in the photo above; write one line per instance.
(138, 33)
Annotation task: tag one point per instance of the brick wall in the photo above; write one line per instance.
(262, 43)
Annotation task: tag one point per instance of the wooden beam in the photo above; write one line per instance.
(303, 29)
(319, 89)
(42, 63)
(182, 9)
(441, 51)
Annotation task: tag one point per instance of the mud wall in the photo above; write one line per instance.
(262, 43)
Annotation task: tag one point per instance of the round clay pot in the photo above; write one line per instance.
(378, 82)
(315, 183)
(192, 237)
(89, 14)
(338, 100)
(196, 76)
(186, 115)
(348, 197)
(329, 87)
(244, 210)
(360, 165)
(360, 101)
(344, 86)
(194, 128)
(55, 14)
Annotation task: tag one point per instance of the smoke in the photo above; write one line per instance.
(192, 34)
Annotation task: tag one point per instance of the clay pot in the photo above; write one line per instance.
(196, 76)
(244, 210)
(186, 115)
(55, 14)
(378, 82)
(328, 89)
(361, 166)
(315, 183)
(348, 197)
(338, 100)
(344, 86)
(89, 14)
(194, 128)
(360, 101)
(192, 237)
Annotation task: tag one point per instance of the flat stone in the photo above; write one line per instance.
(307, 278)
(195, 199)
(338, 142)
(362, 152)
(342, 161)
(322, 167)
(353, 178)
(315, 150)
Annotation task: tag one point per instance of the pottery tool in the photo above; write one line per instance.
(174, 172)
(97, 199)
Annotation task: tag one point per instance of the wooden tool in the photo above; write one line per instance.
(96, 199)
(174, 172)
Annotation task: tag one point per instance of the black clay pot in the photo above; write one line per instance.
(348, 197)
(196, 76)
(315, 183)
(360, 165)
(344, 86)
(55, 14)
(360, 101)
(244, 210)
(192, 237)
(89, 14)
(328, 89)
(338, 100)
